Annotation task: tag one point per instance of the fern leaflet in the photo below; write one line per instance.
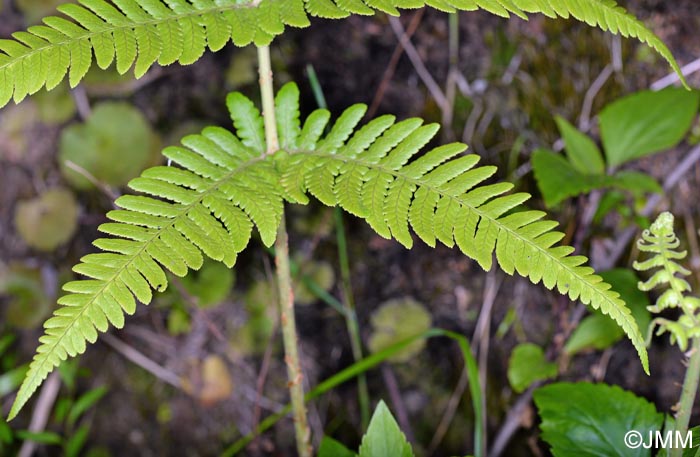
(224, 184)
(140, 34)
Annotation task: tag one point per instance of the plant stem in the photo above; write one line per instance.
(690, 387)
(348, 305)
(284, 278)
(268, 99)
(351, 315)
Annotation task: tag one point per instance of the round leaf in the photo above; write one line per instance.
(395, 321)
(115, 145)
(528, 364)
(47, 221)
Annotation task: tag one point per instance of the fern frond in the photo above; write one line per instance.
(225, 184)
(376, 175)
(207, 205)
(661, 241)
(141, 34)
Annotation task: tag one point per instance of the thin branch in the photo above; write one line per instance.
(81, 102)
(42, 411)
(418, 64)
(481, 337)
(391, 66)
(397, 402)
(512, 422)
(584, 123)
(141, 360)
(104, 188)
(673, 78)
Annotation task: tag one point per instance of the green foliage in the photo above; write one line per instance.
(527, 365)
(586, 420)
(150, 31)
(114, 145)
(661, 241)
(635, 126)
(309, 277)
(210, 285)
(332, 448)
(384, 437)
(224, 184)
(49, 220)
(598, 331)
(582, 152)
(396, 320)
(28, 304)
(646, 122)
(558, 179)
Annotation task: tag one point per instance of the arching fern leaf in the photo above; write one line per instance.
(142, 33)
(224, 184)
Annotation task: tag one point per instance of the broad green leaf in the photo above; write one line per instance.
(558, 179)
(384, 437)
(528, 364)
(332, 448)
(646, 122)
(598, 331)
(636, 182)
(591, 420)
(582, 152)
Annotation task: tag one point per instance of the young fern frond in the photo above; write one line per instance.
(661, 241)
(225, 184)
(142, 33)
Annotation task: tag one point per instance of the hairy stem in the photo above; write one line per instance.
(690, 387)
(268, 100)
(284, 278)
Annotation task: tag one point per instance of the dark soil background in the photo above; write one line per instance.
(522, 73)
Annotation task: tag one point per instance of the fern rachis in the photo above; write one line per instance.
(142, 33)
(225, 184)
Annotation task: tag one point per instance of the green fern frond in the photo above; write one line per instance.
(140, 34)
(225, 184)
(207, 205)
(661, 241)
(375, 175)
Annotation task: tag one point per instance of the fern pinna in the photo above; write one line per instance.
(224, 184)
(141, 33)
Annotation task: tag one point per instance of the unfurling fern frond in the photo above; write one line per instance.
(142, 33)
(224, 184)
(661, 241)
